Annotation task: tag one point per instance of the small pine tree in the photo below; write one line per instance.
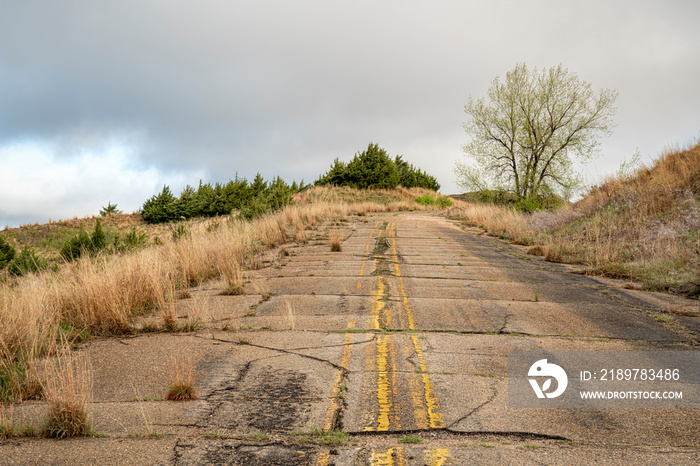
(372, 169)
(336, 176)
(258, 186)
(160, 208)
(98, 238)
(7, 253)
(186, 205)
(82, 243)
(27, 261)
(109, 210)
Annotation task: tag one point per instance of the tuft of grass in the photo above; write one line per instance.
(411, 439)
(182, 378)
(335, 239)
(233, 290)
(322, 437)
(68, 392)
(260, 436)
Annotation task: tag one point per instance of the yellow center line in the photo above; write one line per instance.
(397, 273)
(432, 405)
(431, 401)
(364, 260)
(378, 307)
(436, 456)
(389, 457)
(335, 393)
(384, 394)
(323, 459)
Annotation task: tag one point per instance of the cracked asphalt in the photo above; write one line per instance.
(401, 342)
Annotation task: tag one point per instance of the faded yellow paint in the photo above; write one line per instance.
(397, 273)
(384, 392)
(396, 418)
(432, 406)
(344, 361)
(323, 459)
(388, 457)
(364, 260)
(378, 307)
(431, 401)
(436, 456)
(420, 413)
(382, 358)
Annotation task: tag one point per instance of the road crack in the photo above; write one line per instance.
(493, 395)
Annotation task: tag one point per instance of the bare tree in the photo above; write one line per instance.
(525, 138)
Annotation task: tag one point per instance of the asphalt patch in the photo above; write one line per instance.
(276, 401)
(234, 453)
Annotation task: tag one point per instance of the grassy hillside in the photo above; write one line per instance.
(643, 226)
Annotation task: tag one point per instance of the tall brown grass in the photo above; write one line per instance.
(643, 226)
(182, 379)
(68, 393)
(335, 240)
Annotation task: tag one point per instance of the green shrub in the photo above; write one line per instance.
(500, 197)
(74, 247)
(373, 169)
(255, 208)
(426, 200)
(252, 199)
(160, 208)
(27, 261)
(180, 231)
(7, 253)
(410, 177)
(82, 243)
(444, 201)
(529, 205)
(132, 240)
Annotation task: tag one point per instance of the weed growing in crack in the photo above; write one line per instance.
(334, 237)
(260, 436)
(68, 392)
(411, 439)
(322, 437)
(233, 290)
(182, 378)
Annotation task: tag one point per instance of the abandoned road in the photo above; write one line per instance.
(401, 341)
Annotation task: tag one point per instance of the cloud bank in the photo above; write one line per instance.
(110, 100)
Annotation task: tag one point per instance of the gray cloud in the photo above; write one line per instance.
(218, 87)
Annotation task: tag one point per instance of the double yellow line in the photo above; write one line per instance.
(381, 358)
(395, 457)
(426, 407)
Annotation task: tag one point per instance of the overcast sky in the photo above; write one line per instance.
(109, 100)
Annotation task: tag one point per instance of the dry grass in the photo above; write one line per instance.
(348, 195)
(68, 393)
(290, 315)
(182, 379)
(335, 240)
(644, 226)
